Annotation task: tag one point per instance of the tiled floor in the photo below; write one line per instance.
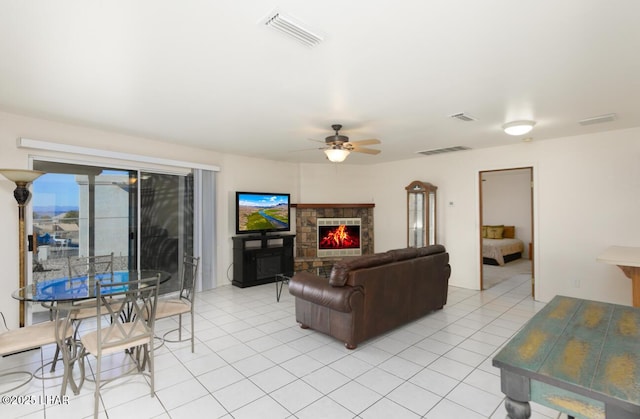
(253, 361)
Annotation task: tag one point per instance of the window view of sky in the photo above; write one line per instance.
(62, 190)
(55, 190)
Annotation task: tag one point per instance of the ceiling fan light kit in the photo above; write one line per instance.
(518, 127)
(336, 155)
(337, 146)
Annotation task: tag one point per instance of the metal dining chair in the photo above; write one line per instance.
(98, 266)
(128, 326)
(183, 302)
(27, 338)
(80, 266)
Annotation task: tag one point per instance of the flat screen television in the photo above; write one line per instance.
(262, 212)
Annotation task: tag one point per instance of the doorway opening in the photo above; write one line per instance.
(506, 225)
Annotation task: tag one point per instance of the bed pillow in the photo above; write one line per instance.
(495, 232)
(509, 232)
(484, 231)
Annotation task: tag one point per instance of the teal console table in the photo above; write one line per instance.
(577, 356)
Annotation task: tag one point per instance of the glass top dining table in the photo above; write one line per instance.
(63, 292)
(82, 288)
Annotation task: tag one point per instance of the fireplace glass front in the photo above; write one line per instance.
(339, 237)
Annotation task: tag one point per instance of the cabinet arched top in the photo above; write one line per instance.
(418, 186)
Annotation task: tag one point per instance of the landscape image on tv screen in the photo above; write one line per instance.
(262, 212)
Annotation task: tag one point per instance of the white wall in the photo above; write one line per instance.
(586, 198)
(336, 183)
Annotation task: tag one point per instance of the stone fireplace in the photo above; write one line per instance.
(307, 215)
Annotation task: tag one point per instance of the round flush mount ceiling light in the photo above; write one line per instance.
(518, 127)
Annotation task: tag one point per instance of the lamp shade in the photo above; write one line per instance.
(21, 176)
(336, 155)
(518, 127)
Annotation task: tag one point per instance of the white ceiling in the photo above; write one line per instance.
(209, 74)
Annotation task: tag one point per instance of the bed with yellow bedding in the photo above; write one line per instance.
(499, 245)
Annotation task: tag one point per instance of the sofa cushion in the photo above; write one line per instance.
(430, 250)
(341, 269)
(403, 254)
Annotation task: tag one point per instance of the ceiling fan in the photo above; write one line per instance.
(337, 146)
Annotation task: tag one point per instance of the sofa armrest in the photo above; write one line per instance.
(315, 289)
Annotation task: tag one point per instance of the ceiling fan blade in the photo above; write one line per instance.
(316, 141)
(365, 150)
(365, 142)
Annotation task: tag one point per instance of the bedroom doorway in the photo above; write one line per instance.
(506, 225)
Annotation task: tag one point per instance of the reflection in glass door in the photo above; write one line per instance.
(166, 223)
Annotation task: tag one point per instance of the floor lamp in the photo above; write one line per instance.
(22, 178)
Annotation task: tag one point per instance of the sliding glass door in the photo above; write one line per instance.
(144, 218)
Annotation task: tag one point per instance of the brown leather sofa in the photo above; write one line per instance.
(368, 295)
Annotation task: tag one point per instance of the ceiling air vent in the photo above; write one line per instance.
(444, 150)
(292, 28)
(598, 119)
(463, 117)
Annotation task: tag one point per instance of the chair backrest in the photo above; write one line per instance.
(188, 277)
(83, 266)
(128, 320)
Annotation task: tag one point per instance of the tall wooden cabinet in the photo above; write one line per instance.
(421, 214)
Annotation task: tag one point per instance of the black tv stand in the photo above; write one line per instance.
(258, 259)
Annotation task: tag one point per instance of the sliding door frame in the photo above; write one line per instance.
(203, 243)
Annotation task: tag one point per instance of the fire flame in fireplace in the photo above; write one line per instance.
(339, 238)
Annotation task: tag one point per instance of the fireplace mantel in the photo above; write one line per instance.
(305, 206)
